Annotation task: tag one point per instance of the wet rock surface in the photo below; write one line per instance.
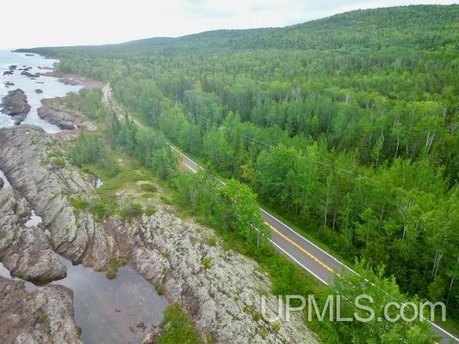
(44, 315)
(15, 104)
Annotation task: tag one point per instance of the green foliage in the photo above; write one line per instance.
(207, 263)
(230, 207)
(159, 287)
(382, 290)
(132, 210)
(87, 102)
(211, 241)
(177, 327)
(346, 125)
(112, 269)
(79, 203)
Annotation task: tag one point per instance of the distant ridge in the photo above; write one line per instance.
(372, 28)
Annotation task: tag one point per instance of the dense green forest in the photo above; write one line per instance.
(348, 126)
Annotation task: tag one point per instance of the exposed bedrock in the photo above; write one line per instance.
(48, 186)
(44, 315)
(222, 295)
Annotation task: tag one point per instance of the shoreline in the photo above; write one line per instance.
(72, 79)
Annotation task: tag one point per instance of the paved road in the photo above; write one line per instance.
(288, 242)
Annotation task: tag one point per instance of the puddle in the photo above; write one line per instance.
(5, 181)
(106, 309)
(33, 221)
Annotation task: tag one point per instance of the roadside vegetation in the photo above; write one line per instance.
(346, 126)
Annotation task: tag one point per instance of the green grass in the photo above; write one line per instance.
(177, 327)
(207, 263)
(112, 270)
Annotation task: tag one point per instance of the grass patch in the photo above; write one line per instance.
(159, 287)
(207, 263)
(147, 187)
(177, 327)
(112, 270)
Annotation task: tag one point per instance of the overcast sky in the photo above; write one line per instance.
(30, 23)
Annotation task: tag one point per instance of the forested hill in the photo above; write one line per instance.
(347, 126)
(421, 26)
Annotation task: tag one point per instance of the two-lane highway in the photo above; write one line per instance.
(287, 241)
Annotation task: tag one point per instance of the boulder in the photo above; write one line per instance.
(15, 104)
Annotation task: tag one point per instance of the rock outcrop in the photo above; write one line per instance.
(44, 315)
(48, 185)
(219, 288)
(54, 112)
(15, 104)
(25, 252)
(1, 183)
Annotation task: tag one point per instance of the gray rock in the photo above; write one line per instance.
(55, 113)
(48, 187)
(15, 104)
(222, 299)
(44, 315)
(25, 252)
(1, 183)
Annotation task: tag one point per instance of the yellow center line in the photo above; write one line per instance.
(302, 249)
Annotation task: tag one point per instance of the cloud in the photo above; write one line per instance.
(55, 22)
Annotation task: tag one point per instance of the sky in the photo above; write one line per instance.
(32, 23)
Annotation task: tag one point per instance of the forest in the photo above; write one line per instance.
(347, 126)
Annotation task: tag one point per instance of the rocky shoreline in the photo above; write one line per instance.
(54, 112)
(222, 297)
(15, 105)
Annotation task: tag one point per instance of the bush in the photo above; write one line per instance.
(131, 211)
(177, 327)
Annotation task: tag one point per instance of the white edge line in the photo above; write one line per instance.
(442, 330)
(296, 261)
(302, 237)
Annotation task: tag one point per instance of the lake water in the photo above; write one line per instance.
(50, 86)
